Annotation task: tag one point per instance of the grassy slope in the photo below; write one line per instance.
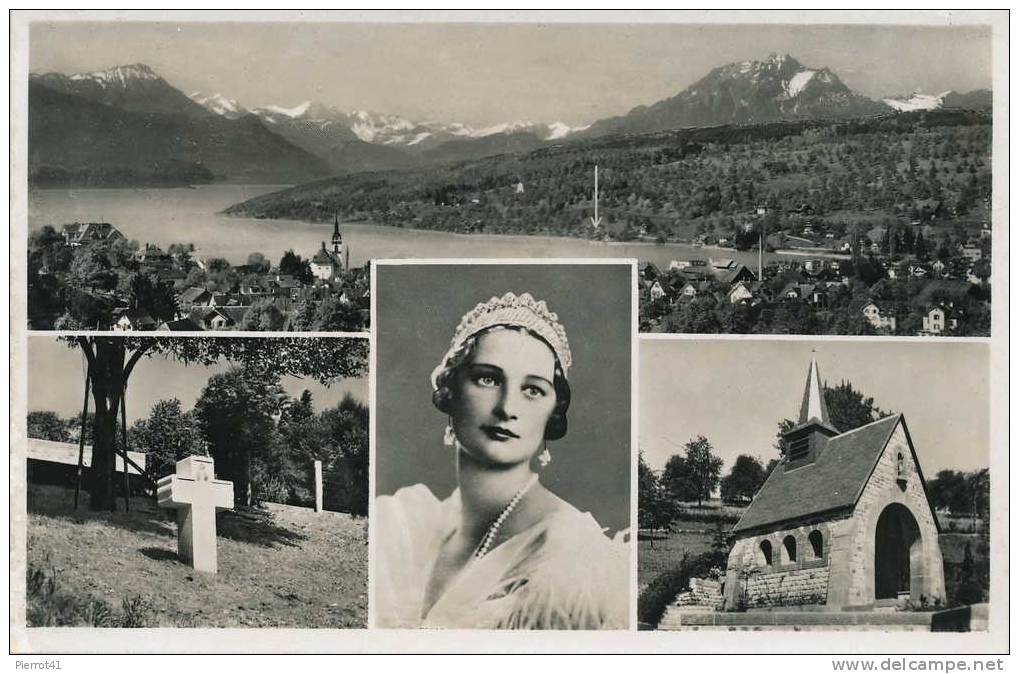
(655, 556)
(286, 567)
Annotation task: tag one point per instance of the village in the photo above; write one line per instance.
(915, 279)
(88, 275)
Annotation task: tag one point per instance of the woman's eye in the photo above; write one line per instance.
(486, 380)
(534, 392)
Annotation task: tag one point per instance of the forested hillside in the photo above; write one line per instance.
(675, 185)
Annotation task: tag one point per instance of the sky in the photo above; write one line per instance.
(58, 380)
(483, 74)
(734, 392)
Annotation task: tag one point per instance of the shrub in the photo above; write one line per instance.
(49, 605)
(136, 612)
(661, 591)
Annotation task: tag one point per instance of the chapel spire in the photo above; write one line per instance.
(813, 407)
(805, 441)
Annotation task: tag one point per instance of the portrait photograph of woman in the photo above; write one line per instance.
(502, 446)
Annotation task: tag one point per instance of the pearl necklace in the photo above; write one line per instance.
(493, 531)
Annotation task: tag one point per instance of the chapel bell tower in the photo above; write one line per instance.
(807, 438)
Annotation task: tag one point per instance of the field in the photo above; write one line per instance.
(661, 552)
(281, 566)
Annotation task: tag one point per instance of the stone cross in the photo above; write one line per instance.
(318, 486)
(197, 495)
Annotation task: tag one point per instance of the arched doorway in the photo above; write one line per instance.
(898, 555)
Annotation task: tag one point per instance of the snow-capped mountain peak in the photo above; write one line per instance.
(798, 81)
(557, 130)
(916, 101)
(120, 76)
(219, 104)
(293, 113)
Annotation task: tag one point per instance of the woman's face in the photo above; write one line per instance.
(504, 397)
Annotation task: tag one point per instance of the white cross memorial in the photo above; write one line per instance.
(197, 495)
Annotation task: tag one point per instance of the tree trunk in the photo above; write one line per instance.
(109, 369)
(107, 372)
(242, 480)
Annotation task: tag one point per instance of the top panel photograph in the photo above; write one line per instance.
(770, 179)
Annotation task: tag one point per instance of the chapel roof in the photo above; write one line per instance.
(833, 481)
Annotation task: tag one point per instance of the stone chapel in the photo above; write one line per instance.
(842, 522)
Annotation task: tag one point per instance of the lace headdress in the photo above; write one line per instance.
(511, 310)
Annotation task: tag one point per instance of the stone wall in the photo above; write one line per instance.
(784, 581)
(794, 587)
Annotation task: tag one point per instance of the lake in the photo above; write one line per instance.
(186, 215)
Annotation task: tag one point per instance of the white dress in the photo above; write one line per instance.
(561, 573)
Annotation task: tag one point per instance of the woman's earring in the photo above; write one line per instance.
(449, 438)
(545, 457)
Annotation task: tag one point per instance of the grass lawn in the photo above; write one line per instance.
(279, 566)
(657, 555)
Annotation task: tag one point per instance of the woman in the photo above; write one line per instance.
(502, 551)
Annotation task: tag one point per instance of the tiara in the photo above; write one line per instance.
(517, 310)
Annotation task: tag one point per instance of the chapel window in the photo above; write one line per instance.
(789, 545)
(765, 558)
(816, 541)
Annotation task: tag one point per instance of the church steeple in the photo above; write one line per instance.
(338, 241)
(807, 438)
(813, 407)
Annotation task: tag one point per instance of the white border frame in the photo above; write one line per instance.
(53, 640)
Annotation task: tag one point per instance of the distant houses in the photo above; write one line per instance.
(219, 299)
(881, 317)
(915, 278)
(939, 320)
(83, 233)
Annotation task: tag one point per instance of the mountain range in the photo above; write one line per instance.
(143, 121)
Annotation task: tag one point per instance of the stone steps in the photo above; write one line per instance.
(960, 619)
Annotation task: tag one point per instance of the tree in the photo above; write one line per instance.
(655, 508)
(704, 467)
(345, 452)
(676, 479)
(948, 490)
(847, 409)
(263, 316)
(47, 426)
(744, 479)
(259, 263)
(693, 476)
(111, 360)
(148, 292)
(968, 591)
(978, 483)
(335, 314)
(91, 269)
(48, 249)
(235, 412)
(291, 264)
(167, 435)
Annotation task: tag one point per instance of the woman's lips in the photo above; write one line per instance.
(499, 433)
